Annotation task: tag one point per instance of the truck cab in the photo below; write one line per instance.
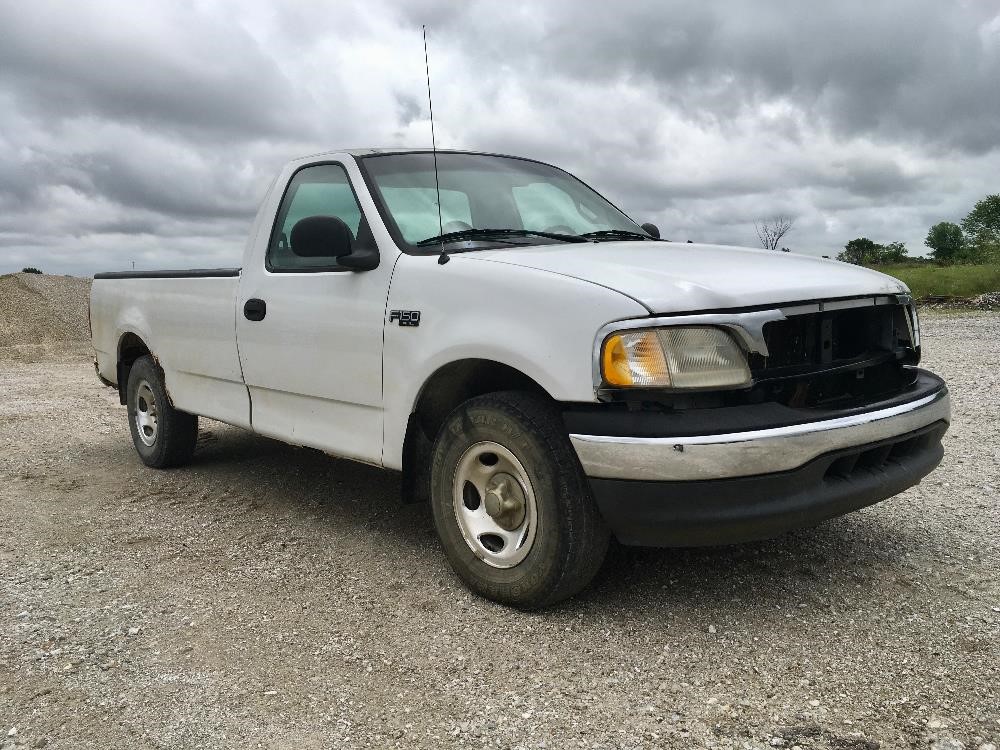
(543, 370)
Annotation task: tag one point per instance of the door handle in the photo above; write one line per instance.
(255, 309)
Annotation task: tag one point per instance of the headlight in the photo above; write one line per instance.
(674, 357)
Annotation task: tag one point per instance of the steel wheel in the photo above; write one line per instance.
(494, 504)
(145, 413)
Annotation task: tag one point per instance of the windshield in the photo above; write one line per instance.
(483, 192)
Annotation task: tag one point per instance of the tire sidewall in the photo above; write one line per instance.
(535, 574)
(145, 369)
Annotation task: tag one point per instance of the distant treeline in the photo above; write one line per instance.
(976, 240)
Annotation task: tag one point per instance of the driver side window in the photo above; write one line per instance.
(322, 190)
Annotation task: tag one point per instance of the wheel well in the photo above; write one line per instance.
(130, 348)
(448, 387)
(459, 381)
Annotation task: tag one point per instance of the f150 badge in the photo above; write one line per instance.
(405, 317)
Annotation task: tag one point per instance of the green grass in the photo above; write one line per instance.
(955, 281)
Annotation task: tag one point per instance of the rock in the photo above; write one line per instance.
(777, 742)
(712, 629)
(133, 631)
(855, 741)
(793, 734)
(948, 743)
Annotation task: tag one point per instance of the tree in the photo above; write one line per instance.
(947, 242)
(984, 219)
(860, 251)
(30, 269)
(770, 232)
(982, 228)
(864, 252)
(894, 252)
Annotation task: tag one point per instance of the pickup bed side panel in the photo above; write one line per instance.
(189, 326)
(540, 323)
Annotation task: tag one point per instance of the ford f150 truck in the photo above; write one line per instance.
(544, 370)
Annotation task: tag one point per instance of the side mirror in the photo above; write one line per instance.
(329, 237)
(652, 230)
(320, 237)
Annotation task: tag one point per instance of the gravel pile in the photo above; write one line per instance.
(41, 315)
(987, 301)
(272, 597)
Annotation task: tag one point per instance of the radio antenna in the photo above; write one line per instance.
(443, 257)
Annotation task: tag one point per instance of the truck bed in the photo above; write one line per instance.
(188, 319)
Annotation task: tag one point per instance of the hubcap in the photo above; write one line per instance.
(145, 413)
(494, 504)
(505, 501)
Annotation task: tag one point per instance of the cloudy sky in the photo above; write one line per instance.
(147, 131)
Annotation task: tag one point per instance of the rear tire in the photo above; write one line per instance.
(163, 436)
(511, 503)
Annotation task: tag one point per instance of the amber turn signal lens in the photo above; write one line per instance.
(634, 358)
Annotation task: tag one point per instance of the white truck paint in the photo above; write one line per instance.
(326, 367)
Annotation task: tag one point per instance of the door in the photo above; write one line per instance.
(310, 332)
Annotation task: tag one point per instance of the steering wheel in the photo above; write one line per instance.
(560, 229)
(455, 226)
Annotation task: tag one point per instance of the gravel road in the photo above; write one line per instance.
(267, 596)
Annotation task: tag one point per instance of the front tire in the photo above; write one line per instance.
(163, 436)
(511, 504)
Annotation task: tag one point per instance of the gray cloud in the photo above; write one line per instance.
(148, 132)
(180, 70)
(921, 69)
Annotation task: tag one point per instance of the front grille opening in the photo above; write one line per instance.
(836, 357)
(856, 333)
(839, 389)
(825, 338)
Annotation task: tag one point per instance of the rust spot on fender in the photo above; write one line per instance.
(104, 380)
(163, 378)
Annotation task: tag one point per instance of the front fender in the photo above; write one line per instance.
(539, 323)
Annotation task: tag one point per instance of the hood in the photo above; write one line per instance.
(673, 277)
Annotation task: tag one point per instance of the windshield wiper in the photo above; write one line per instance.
(499, 234)
(615, 234)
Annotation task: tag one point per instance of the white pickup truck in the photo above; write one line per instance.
(542, 369)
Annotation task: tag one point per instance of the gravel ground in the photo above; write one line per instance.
(267, 596)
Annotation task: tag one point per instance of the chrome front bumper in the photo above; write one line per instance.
(743, 454)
